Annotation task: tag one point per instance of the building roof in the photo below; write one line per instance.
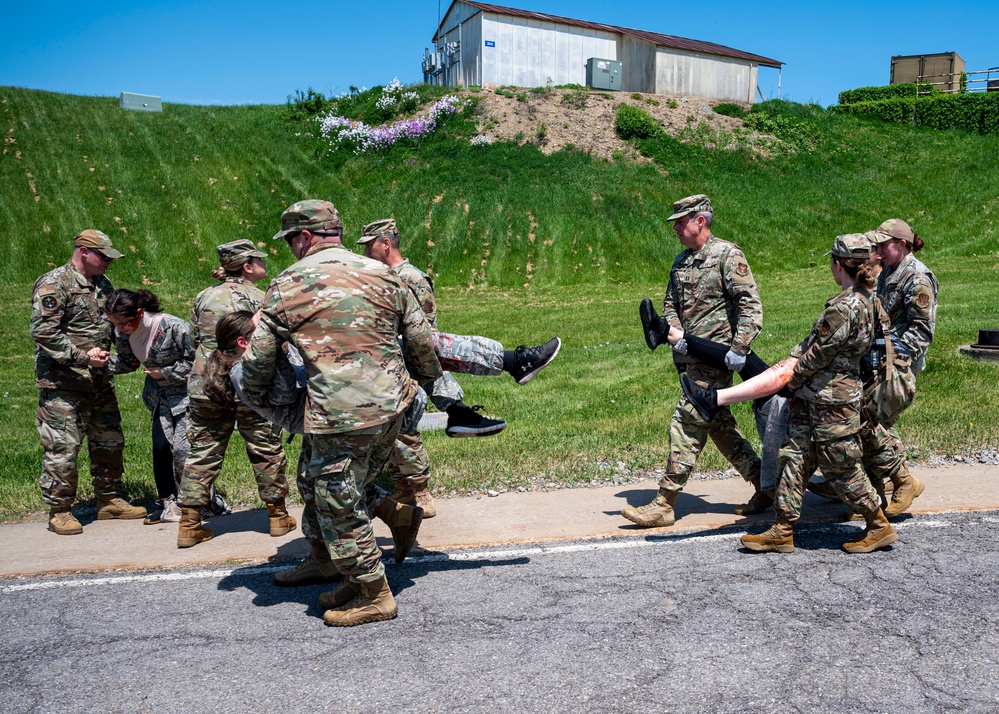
(671, 41)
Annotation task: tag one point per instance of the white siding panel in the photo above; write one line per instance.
(687, 73)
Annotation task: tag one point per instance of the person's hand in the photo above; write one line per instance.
(734, 361)
(97, 358)
(154, 373)
(680, 346)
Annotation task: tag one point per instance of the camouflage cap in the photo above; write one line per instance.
(851, 245)
(691, 204)
(377, 229)
(894, 228)
(235, 253)
(309, 215)
(92, 238)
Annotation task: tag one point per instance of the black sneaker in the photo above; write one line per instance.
(528, 361)
(704, 399)
(464, 421)
(217, 506)
(652, 324)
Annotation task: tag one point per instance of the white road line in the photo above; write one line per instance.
(438, 557)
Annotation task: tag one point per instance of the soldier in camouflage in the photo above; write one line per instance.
(711, 294)
(344, 313)
(76, 393)
(211, 425)
(908, 292)
(825, 414)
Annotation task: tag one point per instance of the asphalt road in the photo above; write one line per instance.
(678, 624)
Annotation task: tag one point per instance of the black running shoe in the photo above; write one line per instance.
(464, 421)
(652, 324)
(528, 361)
(704, 399)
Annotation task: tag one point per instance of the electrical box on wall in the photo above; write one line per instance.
(603, 73)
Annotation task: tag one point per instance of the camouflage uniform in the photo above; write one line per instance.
(170, 352)
(211, 425)
(75, 401)
(343, 313)
(908, 293)
(824, 418)
(711, 294)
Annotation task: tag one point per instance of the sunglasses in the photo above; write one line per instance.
(101, 256)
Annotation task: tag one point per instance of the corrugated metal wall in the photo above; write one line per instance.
(696, 75)
(528, 52)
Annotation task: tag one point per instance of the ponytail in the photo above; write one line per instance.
(232, 326)
(127, 303)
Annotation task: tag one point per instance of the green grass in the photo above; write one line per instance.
(522, 246)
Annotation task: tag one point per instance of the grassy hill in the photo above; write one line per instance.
(522, 246)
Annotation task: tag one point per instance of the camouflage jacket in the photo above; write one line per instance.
(210, 306)
(712, 294)
(171, 352)
(67, 320)
(828, 370)
(422, 288)
(344, 314)
(908, 293)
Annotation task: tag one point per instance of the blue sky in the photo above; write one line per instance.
(227, 52)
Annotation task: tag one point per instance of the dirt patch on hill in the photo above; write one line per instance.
(557, 118)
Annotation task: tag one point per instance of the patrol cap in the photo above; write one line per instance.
(92, 238)
(309, 215)
(691, 204)
(377, 229)
(894, 228)
(851, 245)
(237, 252)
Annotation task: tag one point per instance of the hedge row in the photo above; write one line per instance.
(978, 113)
(874, 94)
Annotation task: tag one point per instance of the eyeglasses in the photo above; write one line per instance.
(101, 256)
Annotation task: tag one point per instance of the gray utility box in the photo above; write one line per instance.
(140, 102)
(603, 73)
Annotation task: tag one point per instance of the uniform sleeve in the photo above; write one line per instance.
(741, 287)
(123, 360)
(48, 304)
(175, 375)
(260, 359)
(920, 309)
(195, 332)
(669, 301)
(828, 335)
(418, 341)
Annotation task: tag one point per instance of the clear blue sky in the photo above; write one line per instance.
(251, 51)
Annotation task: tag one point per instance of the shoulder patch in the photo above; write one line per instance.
(49, 302)
(825, 328)
(741, 269)
(922, 301)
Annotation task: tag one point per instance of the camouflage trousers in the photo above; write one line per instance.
(884, 454)
(64, 419)
(336, 478)
(170, 450)
(209, 428)
(688, 434)
(409, 459)
(839, 459)
(465, 354)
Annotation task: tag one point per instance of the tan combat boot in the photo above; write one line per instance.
(760, 501)
(316, 569)
(878, 534)
(373, 603)
(281, 523)
(778, 539)
(190, 531)
(413, 491)
(907, 489)
(657, 514)
(63, 522)
(404, 522)
(333, 599)
(108, 508)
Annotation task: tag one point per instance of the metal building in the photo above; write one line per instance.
(490, 45)
(942, 70)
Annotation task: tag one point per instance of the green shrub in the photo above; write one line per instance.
(307, 104)
(728, 109)
(521, 96)
(892, 91)
(634, 123)
(576, 97)
(636, 96)
(976, 113)
(542, 131)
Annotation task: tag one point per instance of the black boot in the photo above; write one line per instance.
(525, 362)
(704, 399)
(655, 328)
(464, 421)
